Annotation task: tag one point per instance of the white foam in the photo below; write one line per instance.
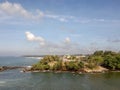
(1, 82)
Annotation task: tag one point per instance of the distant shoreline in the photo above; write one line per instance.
(28, 69)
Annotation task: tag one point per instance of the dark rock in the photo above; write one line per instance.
(2, 68)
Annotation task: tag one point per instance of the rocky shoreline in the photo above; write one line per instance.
(3, 68)
(84, 70)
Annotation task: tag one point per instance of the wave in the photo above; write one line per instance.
(2, 82)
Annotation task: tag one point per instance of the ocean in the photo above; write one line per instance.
(16, 80)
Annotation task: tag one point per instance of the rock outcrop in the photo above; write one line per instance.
(2, 68)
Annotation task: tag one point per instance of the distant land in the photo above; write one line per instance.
(52, 54)
(33, 55)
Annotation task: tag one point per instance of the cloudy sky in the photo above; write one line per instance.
(58, 26)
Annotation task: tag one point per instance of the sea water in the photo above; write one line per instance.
(16, 80)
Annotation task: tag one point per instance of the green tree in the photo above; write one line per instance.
(72, 66)
(110, 62)
(94, 61)
(97, 60)
(49, 58)
(40, 66)
(109, 53)
(80, 65)
(57, 66)
(98, 53)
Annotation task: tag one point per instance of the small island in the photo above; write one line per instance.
(99, 61)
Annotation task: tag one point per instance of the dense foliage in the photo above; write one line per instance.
(107, 59)
(58, 64)
(44, 63)
(74, 65)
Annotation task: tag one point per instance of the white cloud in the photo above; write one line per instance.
(63, 19)
(54, 48)
(66, 47)
(14, 9)
(58, 17)
(67, 40)
(52, 16)
(39, 15)
(32, 37)
(85, 21)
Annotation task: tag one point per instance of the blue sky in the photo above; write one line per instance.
(58, 26)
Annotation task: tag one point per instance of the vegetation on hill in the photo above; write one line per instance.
(107, 59)
(55, 63)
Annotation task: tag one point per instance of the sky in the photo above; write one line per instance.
(43, 27)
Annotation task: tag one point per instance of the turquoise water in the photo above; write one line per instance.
(16, 80)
